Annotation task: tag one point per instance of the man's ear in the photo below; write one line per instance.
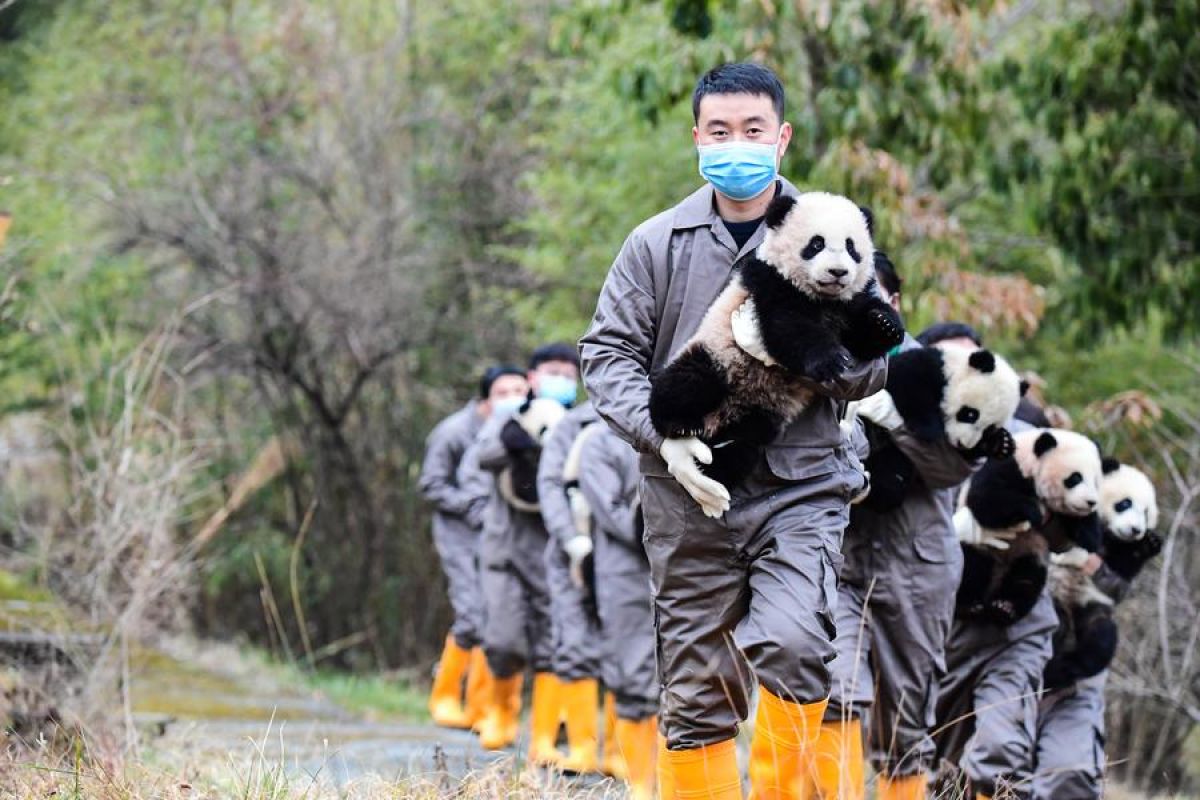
(1044, 444)
(778, 210)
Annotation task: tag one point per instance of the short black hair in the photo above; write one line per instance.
(941, 331)
(885, 273)
(558, 351)
(739, 78)
(492, 373)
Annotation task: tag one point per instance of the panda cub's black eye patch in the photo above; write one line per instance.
(852, 251)
(814, 246)
(1073, 480)
(967, 415)
(1123, 506)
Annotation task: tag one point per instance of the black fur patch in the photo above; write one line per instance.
(778, 210)
(892, 473)
(983, 361)
(917, 384)
(976, 578)
(1127, 558)
(1024, 387)
(999, 496)
(1044, 444)
(1109, 465)
(690, 388)
(1019, 589)
(870, 218)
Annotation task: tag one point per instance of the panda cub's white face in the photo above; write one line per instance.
(982, 390)
(822, 246)
(540, 416)
(1064, 466)
(1128, 504)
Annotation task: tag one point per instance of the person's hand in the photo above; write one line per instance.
(969, 531)
(581, 512)
(683, 457)
(746, 336)
(577, 548)
(880, 409)
(1075, 558)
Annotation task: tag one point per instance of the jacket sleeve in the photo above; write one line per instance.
(552, 494)
(604, 487)
(618, 348)
(939, 464)
(439, 481)
(490, 451)
(862, 379)
(475, 485)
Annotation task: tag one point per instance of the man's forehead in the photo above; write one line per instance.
(736, 107)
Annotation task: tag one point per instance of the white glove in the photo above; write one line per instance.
(577, 548)
(581, 512)
(1075, 557)
(968, 531)
(880, 409)
(744, 322)
(682, 456)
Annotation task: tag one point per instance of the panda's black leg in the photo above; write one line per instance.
(1019, 589)
(976, 578)
(891, 474)
(874, 327)
(744, 439)
(731, 463)
(1096, 642)
(690, 388)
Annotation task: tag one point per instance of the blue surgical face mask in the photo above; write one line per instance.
(506, 406)
(558, 387)
(738, 170)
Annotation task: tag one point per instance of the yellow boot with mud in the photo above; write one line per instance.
(785, 736)
(837, 761)
(638, 741)
(543, 721)
(445, 699)
(908, 787)
(500, 724)
(581, 700)
(611, 763)
(703, 773)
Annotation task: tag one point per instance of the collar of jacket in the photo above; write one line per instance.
(698, 209)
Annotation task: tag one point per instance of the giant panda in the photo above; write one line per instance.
(954, 394)
(1046, 497)
(809, 293)
(1086, 639)
(523, 436)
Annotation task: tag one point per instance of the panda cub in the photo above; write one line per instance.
(808, 295)
(954, 394)
(1086, 639)
(1043, 498)
(522, 437)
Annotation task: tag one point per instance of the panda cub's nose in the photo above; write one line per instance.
(839, 273)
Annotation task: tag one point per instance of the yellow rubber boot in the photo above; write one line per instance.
(705, 773)
(639, 745)
(666, 779)
(499, 727)
(982, 796)
(543, 721)
(611, 763)
(785, 735)
(837, 761)
(581, 700)
(445, 699)
(908, 787)
(479, 687)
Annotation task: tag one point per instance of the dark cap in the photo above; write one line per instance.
(558, 351)
(492, 373)
(941, 331)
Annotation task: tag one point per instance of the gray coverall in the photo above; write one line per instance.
(516, 601)
(1069, 762)
(895, 608)
(610, 485)
(762, 579)
(454, 536)
(988, 699)
(577, 642)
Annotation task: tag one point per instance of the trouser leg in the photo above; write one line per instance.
(505, 641)
(457, 547)
(574, 632)
(1070, 743)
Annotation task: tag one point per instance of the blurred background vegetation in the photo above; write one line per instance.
(258, 247)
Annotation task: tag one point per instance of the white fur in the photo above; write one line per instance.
(541, 417)
(994, 395)
(1072, 453)
(835, 219)
(1128, 483)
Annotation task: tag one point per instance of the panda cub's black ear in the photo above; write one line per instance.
(778, 210)
(1109, 465)
(1044, 444)
(983, 361)
(1024, 387)
(870, 218)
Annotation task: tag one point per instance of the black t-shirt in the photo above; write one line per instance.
(742, 231)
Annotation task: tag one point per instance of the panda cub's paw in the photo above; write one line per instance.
(887, 327)
(1001, 612)
(825, 366)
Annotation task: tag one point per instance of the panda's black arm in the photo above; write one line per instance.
(916, 383)
(999, 496)
(874, 327)
(686, 391)
(1096, 640)
(1081, 531)
(1126, 559)
(1019, 589)
(892, 473)
(978, 566)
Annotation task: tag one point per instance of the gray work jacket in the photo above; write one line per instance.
(552, 493)
(610, 484)
(669, 271)
(444, 451)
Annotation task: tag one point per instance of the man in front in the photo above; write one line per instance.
(759, 580)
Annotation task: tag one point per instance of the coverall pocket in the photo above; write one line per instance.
(663, 508)
(932, 549)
